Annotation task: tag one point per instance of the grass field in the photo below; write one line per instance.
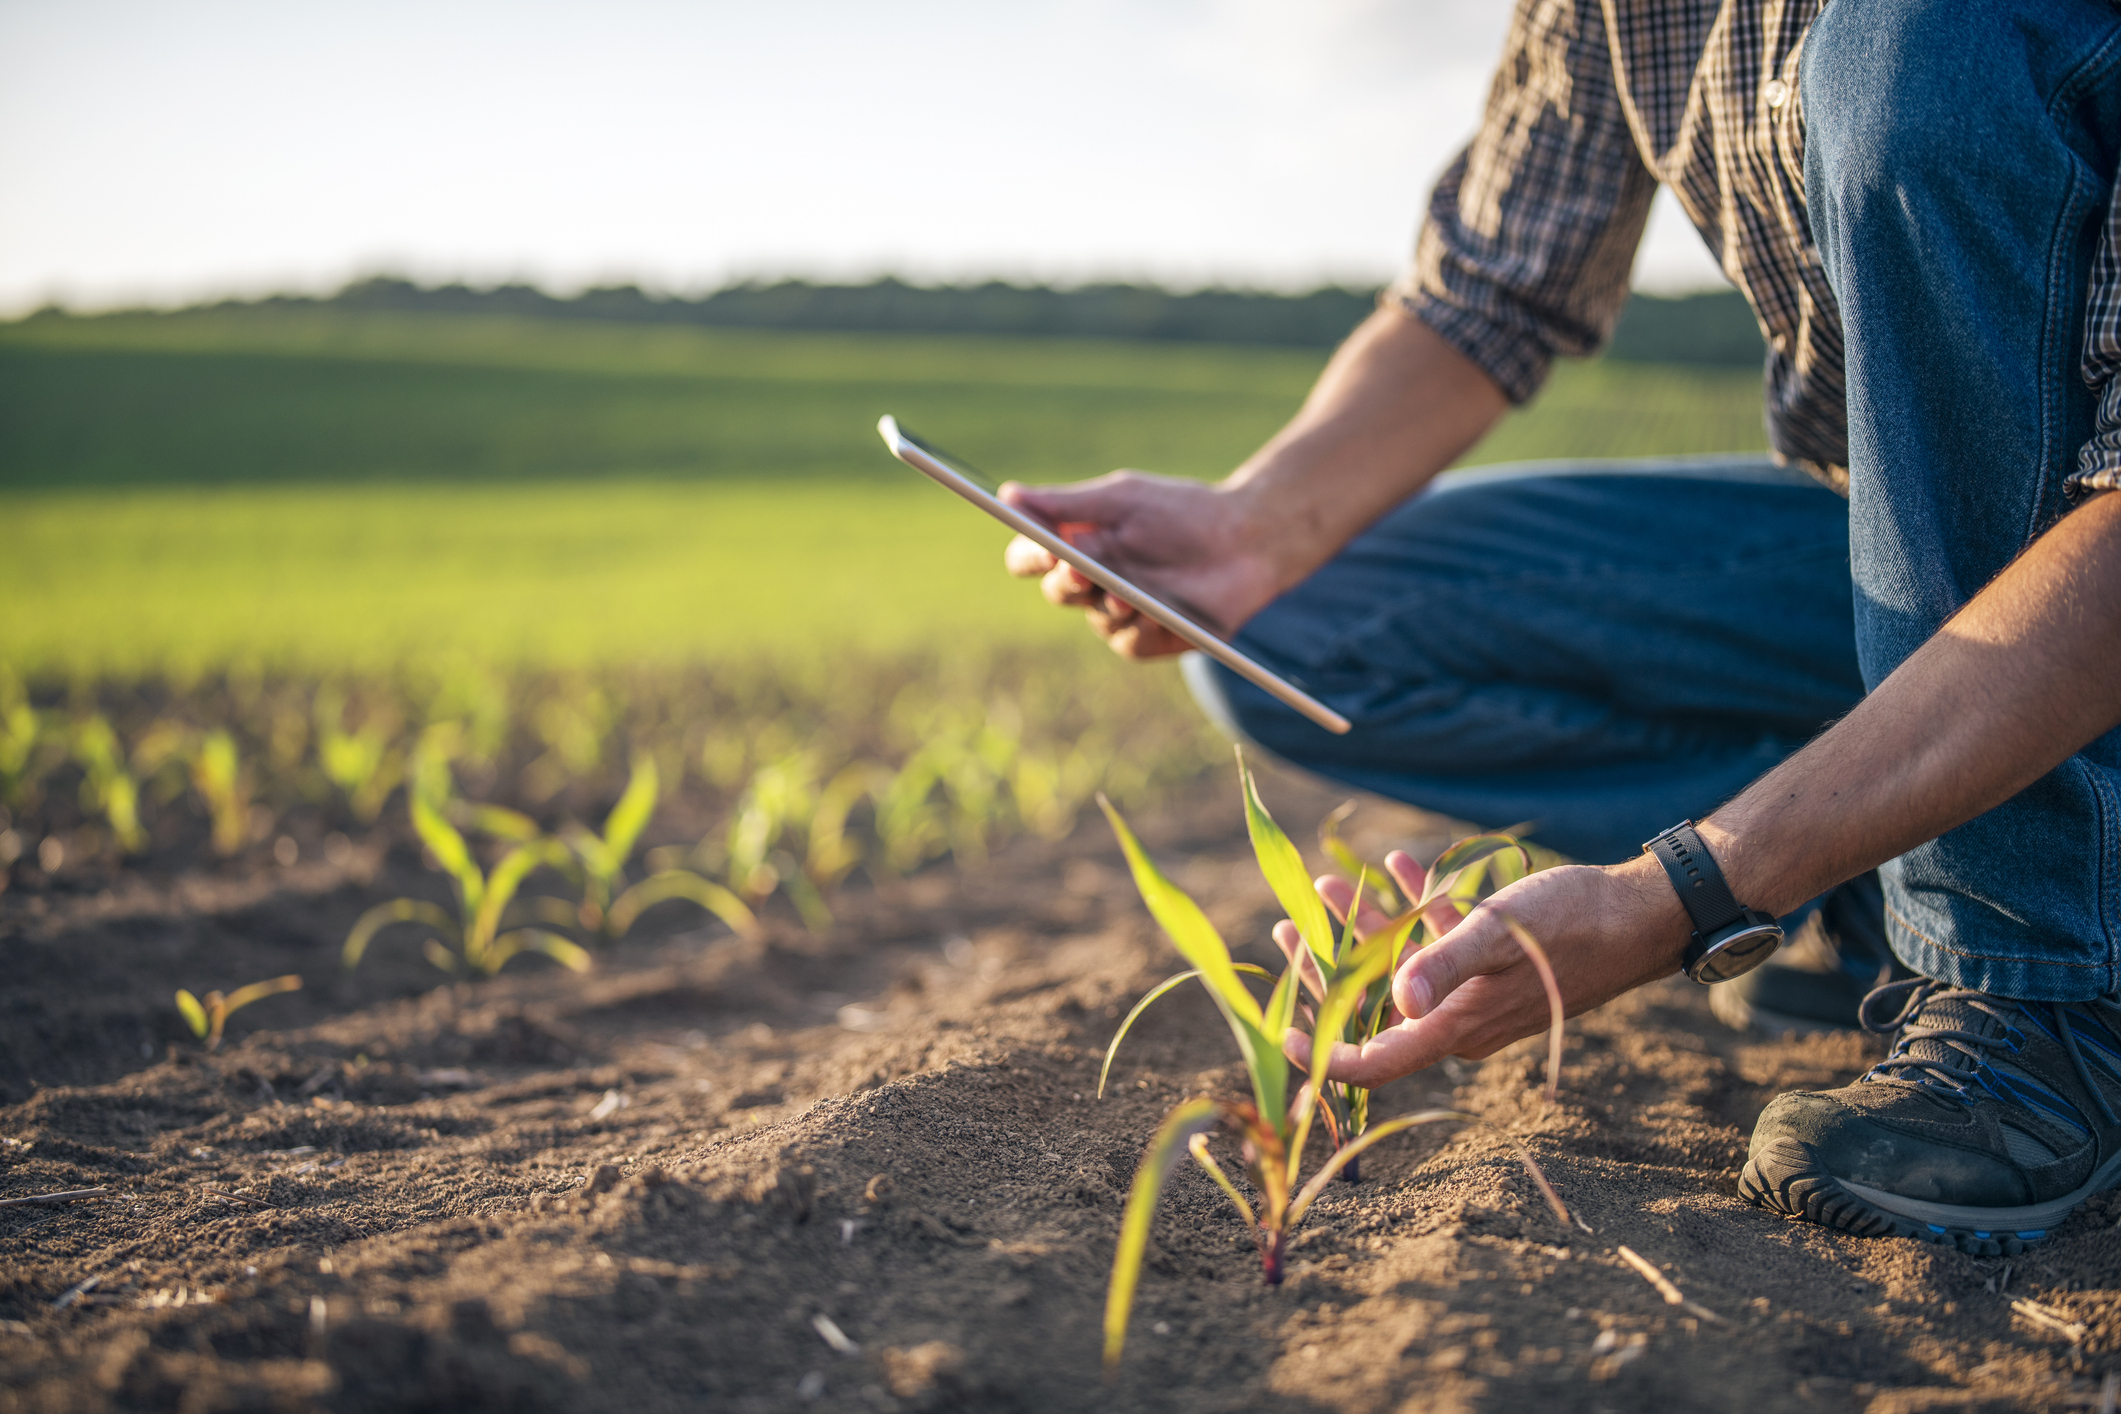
(320, 489)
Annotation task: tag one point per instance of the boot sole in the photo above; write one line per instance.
(1787, 1177)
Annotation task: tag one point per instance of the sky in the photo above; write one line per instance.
(167, 151)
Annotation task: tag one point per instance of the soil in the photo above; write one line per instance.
(867, 1171)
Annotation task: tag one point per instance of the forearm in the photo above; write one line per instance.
(2011, 686)
(1396, 405)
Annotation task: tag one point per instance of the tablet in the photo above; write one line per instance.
(980, 491)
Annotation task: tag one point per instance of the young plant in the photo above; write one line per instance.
(208, 1015)
(600, 859)
(225, 785)
(478, 939)
(25, 747)
(1441, 895)
(106, 786)
(363, 764)
(1272, 1127)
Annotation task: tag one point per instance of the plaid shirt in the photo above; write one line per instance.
(1532, 231)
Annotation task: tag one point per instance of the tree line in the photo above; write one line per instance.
(1714, 328)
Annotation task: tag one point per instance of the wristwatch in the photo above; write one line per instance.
(1729, 938)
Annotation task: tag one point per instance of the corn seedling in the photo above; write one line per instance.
(782, 809)
(23, 743)
(363, 764)
(477, 940)
(208, 1015)
(601, 863)
(225, 785)
(106, 786)
(1272, 1127)
(600, 858)
(1439, 896)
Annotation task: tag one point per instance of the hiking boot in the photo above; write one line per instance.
(1989, 1122)
(1833, 954)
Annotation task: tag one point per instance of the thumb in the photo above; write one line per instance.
(1102, 501)
(1479, 945)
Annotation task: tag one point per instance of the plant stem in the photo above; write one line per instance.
(1270, 1250)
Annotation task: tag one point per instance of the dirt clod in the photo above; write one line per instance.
(923, 1368)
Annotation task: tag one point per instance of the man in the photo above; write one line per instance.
(1917, 198)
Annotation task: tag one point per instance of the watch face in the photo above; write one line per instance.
(1737, 953)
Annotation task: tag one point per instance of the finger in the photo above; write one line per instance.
(1109, 615)
(1291, 942)
(1144, 639)
(1406, 871)
(1443, 916)
(1100, 501)
(1064, 586)
(1297, 1047)
(1339, 896)
(1480, 945)
(1027, 559)
(1391, 1054)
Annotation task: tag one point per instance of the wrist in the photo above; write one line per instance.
(1275, 521)
(1655, 911)
(1729, 937)
(1752, 865)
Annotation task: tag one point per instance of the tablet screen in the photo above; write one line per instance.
(983, 491)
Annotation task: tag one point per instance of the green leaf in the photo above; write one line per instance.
(194, 1014)
(258, 991)
(1172, 1137)
(1199, 943)
(1281, 1004)
(1141, 1006)
(449, 850)
(1374, 881)
(1284, 870)
(568, 954)
(622, 828)
(1198, 1146)
(398, 910)
(1370, 960)
(681, 883)
(1186, 926)
(503, 823)
(1465, 852)
(507, 877)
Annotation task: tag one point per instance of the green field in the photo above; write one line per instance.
(318, 489)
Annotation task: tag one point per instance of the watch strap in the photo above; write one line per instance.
(1695, 877)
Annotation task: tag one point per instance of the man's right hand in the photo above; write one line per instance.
(1191, 543)
(1395, 406)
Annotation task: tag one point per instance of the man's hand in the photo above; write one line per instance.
(1396, 405)
(1191, 543)
(1473, 991)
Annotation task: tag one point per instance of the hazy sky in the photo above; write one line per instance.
(163, 152)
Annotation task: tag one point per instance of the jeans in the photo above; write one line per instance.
(1959, 159)
(1596, 650)
(1603, 649)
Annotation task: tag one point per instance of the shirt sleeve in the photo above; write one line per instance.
(2099, 461)
(1531, 233)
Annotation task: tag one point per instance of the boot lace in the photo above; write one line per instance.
(1957, 1054)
